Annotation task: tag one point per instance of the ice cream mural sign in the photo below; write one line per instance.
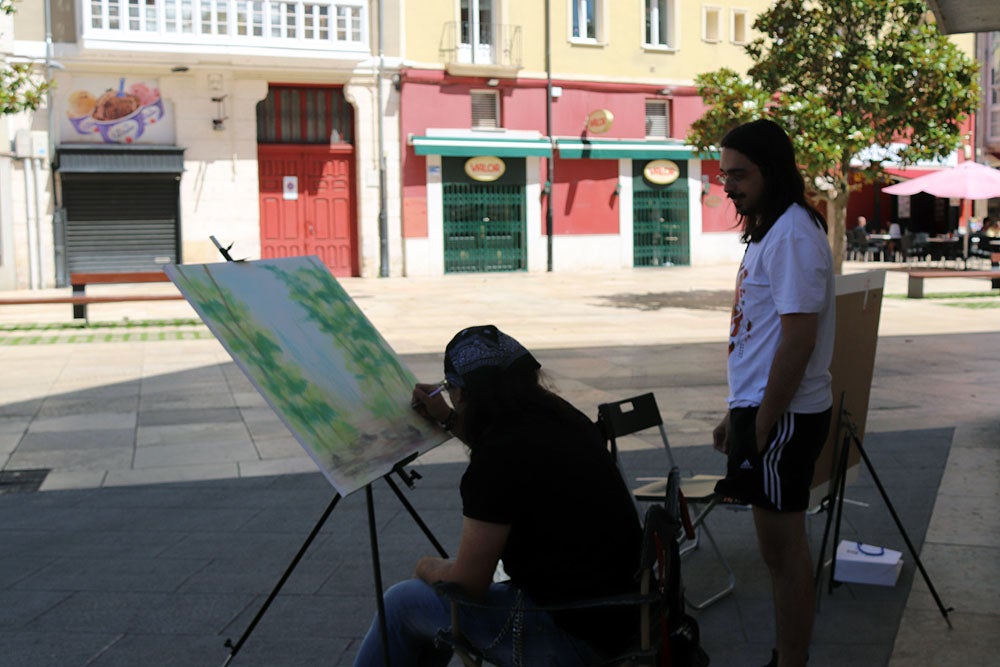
(124, 113)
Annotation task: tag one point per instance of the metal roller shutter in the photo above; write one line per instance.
(121, 222)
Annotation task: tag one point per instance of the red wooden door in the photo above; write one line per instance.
(317, 219)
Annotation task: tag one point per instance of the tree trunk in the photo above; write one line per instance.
(836, 222)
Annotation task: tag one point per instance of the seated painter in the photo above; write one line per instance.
(542, 493)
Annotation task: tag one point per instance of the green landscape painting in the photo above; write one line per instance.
(316, 359)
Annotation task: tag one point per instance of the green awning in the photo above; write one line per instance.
(613, 149)
(466, 146)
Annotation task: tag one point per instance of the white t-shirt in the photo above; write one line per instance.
(789, 271)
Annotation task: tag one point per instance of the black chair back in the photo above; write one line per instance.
(627, 416)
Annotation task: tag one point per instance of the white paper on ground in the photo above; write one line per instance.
(867, 564)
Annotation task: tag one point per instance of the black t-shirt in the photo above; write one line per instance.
(574, 531)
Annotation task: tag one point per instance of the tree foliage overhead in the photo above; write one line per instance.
(841, 76)
(21, 89)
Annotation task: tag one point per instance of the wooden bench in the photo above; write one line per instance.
(915, 284)
(79, 298)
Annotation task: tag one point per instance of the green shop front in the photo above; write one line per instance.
(659, 203)
(484, 203)
(626, 203)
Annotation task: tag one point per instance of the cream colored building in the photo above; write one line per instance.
(201, 70)
(476, 88)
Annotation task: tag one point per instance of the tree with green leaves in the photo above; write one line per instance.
(842, 76)
(21, 89)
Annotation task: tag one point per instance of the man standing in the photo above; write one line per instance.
(780, 346)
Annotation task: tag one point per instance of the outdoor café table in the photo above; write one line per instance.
(945, 248)
(878, 243)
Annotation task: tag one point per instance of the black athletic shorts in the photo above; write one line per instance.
(779, 478)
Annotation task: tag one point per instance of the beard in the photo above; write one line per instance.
(740, 204)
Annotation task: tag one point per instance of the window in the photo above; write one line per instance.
(711, 28)
(658, 23)
(477, 31)
(485, 108)
(585, 17)
(290, 115)
(738, 26)
(657, 119)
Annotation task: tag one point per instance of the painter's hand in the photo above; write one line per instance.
(432, 407)
(720, 436)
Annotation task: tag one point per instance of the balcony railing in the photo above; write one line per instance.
(485, 44)
(325, 25)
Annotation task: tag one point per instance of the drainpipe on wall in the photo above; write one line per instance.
(36, 168)
(59, 250)
(31, 220)
(550, 161)
(383, 224)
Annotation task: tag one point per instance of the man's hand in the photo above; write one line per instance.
(762, 436)
(432, 569)
(478, 552)
(428, 401)
(720, 436)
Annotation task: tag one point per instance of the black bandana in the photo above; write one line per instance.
(479, 352)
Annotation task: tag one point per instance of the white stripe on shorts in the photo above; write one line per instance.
(772, 456)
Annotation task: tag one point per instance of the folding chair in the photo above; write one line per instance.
(665, 634)
(638, 413)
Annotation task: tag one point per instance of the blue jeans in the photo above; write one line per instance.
(415, 612)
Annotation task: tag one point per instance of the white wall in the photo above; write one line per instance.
(219, 187)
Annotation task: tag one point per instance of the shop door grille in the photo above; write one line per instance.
(121, 222)
(661, 235)
(484, 228)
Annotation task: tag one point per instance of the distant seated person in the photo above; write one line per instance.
(859, 237)
(542, 493)
(991, 228)
(895, 239)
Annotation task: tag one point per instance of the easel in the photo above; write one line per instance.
(407, 477)
(834, 503)
(398, 469)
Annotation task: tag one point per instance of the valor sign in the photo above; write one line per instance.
(600, 121)
(661, 172)
(485, 168)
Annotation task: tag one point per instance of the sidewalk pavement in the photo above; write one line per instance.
(171, 498)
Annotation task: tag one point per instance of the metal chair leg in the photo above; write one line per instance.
(699, 525)
(731, 580)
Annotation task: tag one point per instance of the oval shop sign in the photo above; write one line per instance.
(484, 168)
(600, 121)
(661, 172)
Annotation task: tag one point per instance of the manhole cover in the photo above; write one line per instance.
(22, 481)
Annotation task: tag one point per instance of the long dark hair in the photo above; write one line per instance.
(767, 145)
(518, 394)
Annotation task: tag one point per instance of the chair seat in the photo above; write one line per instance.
(696, 489)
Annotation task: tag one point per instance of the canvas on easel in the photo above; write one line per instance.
(316, 359)
(859, 307)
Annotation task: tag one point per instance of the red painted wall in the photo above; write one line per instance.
(584, 199)
(583, 202)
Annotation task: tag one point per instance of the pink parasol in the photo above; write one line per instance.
(969, 180)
